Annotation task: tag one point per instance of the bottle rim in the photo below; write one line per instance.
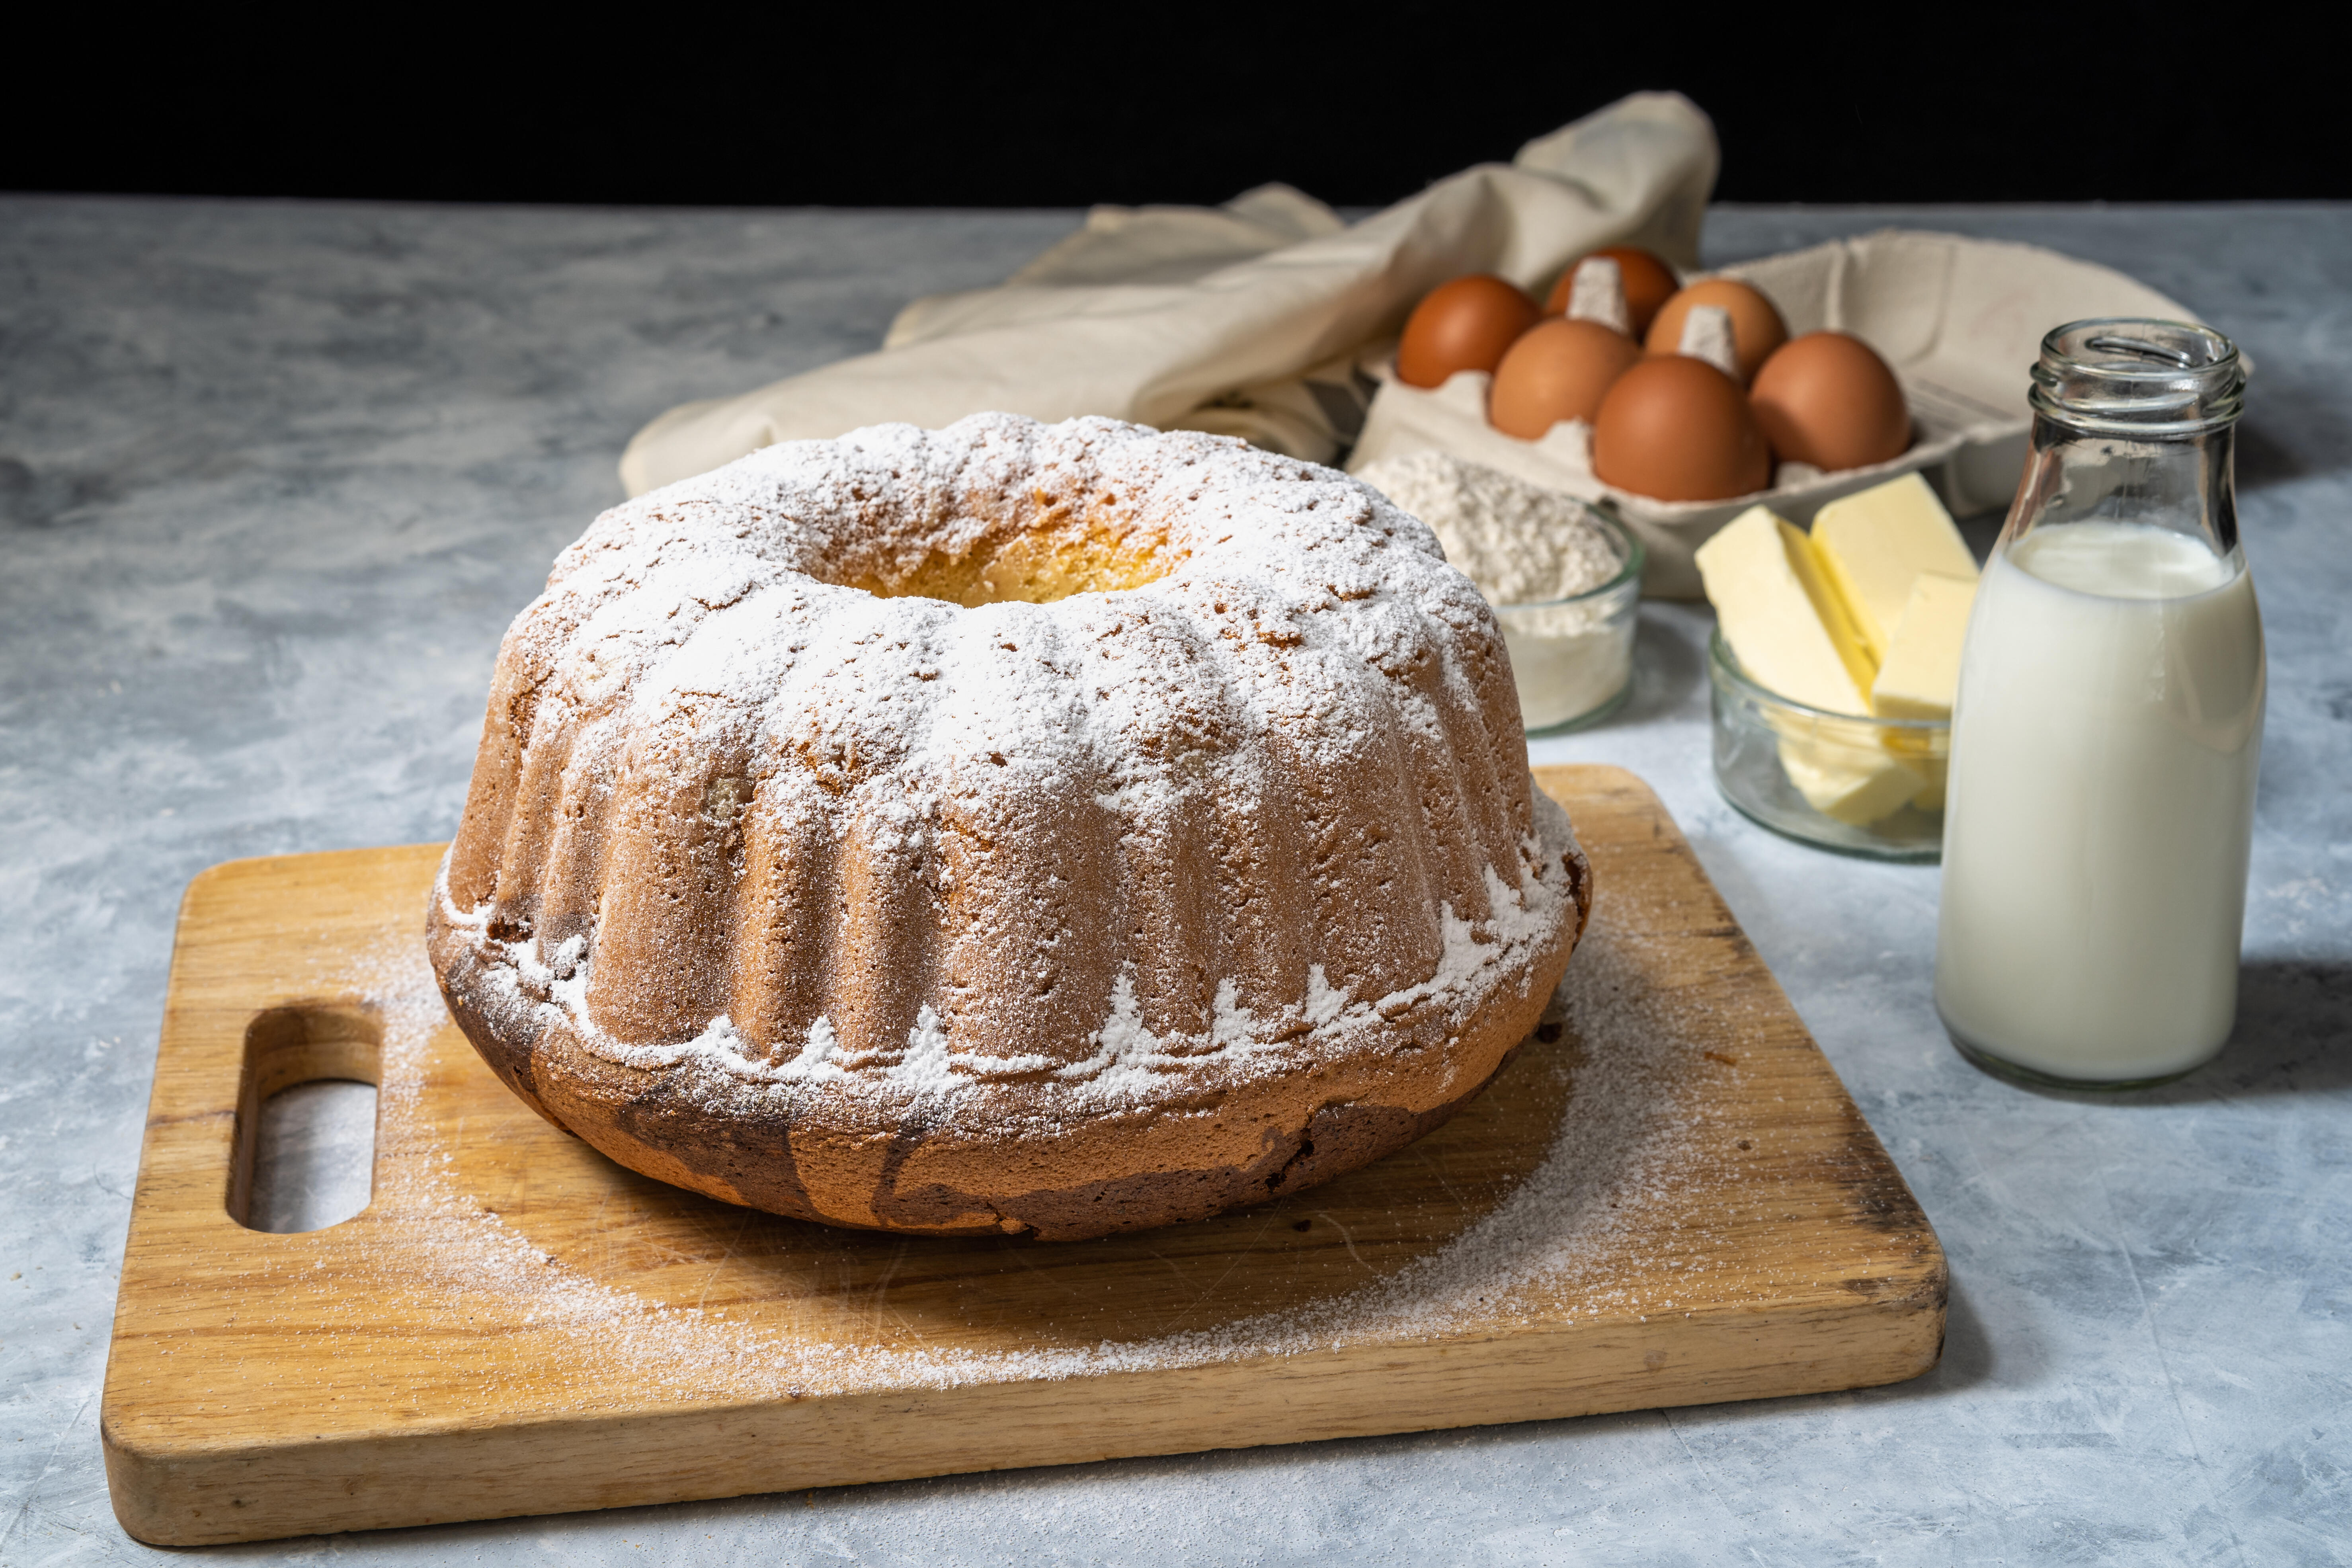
(2137, 377)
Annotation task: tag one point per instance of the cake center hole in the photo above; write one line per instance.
(1028, 569)
(1058, 552)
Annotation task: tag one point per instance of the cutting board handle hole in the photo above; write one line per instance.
(306, 1118)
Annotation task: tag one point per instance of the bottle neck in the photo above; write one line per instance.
(2185, 483)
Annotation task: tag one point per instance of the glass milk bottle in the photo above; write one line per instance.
(2107, 727)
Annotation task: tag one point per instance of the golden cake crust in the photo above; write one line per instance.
(1059, 829)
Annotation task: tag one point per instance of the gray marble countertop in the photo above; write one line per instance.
(274, 476)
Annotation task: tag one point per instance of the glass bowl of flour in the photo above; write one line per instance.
(1563, 576)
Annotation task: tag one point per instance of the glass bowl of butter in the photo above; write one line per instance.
(1857, 783)
(1832, 667)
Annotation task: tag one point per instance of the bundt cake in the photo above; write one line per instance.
(1046, 828)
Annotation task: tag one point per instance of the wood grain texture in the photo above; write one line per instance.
(515, 1325)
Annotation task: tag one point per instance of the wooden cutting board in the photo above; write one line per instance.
(1667, 1198)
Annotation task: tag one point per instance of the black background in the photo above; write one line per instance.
(1045, 106)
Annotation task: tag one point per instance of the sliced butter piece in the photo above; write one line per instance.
(1937, 773)
(1874, 544)
(1768, 592)
(1923, 671)
(1847, 784)
(1919, 753)
(1830, 605)
(1922, 667)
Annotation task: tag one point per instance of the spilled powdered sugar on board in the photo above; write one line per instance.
(1560, 1236)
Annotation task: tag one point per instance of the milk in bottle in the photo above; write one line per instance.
(2107, 727)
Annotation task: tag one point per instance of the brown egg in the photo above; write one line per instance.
(1558, 370)
(1649, 283)
(1756, 327)
(1679, 429)
(1463, 326)
(1829, 400)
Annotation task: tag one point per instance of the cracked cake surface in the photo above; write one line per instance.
(1051, 828)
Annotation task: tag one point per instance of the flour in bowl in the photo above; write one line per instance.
(1521, 543)
(1526, 548)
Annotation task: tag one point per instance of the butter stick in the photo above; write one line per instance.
(1921, 667)
(1874, 544)
(1769, 593)
(1848, 783)
(1922, 671)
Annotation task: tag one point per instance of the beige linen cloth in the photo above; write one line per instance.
(1245, 319)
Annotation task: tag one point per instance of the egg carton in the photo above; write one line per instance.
(1960, 321)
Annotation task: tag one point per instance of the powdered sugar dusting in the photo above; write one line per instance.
(1128, 1062)
(1254, 813)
